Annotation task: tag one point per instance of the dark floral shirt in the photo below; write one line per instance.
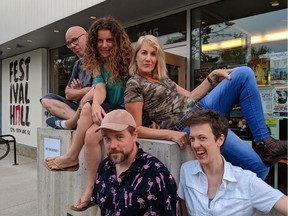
(146, 188)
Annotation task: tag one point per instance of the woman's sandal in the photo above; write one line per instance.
(58, 168)
(89, 204)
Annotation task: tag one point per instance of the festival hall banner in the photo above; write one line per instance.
(21, 91)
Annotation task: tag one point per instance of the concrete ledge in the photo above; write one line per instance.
(58, 190)
(25, 150)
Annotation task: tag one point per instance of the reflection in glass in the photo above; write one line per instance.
(218, 41)
(62, 61)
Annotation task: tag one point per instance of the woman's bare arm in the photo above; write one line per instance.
(136, 109)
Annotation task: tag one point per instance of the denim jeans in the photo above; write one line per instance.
(241, 89)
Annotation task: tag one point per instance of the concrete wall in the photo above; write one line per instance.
(58, 190)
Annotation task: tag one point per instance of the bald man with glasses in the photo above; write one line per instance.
(78, 90)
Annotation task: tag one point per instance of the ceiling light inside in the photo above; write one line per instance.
(56, 31)
(92, 17)
(274, 3)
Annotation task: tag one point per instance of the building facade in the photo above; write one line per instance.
(197, 36)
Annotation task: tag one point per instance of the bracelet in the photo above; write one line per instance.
(212, 83)
(209, 80)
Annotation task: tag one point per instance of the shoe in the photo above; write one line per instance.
(70, 168)
(271, 150)
(54, 122)
(89, 204)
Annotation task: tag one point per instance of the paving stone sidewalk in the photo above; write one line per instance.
(18, 186)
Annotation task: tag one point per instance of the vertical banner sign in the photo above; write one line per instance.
(22, 80)
(19, 97)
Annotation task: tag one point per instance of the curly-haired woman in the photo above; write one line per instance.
(108, 55)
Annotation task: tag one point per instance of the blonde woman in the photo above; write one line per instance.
(151, 93)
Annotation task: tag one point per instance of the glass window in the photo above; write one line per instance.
(62, 61)
(170, 29)
(232, 33)
(171, 32)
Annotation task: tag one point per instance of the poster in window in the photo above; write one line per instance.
(266, 94)
(280, 103)
(273, 125)
(261, 70)
(278, 68)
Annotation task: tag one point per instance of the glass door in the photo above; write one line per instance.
(176, 66)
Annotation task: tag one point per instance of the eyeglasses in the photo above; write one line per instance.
(74, 41)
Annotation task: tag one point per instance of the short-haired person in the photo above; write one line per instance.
(79, 88)
(130, 181)
(211, 184)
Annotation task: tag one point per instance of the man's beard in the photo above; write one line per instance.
(119, 158)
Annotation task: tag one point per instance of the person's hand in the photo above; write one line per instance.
(97, 113)
(181, 138)
(220, 74)
(76, 84)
